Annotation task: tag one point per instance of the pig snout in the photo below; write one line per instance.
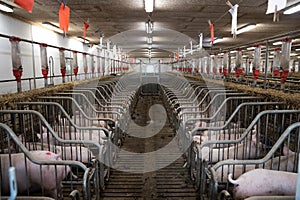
(197, 139)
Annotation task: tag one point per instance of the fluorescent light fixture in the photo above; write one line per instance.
(293, 54)
(208, 40)
(277, 43)
(292, 10)
(150, 46)
(297, 49)
(234, 51)
(217, 40)
(250, 48)
(149, 4)
(81, 39)
(149, 40)
(52, 27)
(271, 56)
(5, 7)
(246, 28)
(149, 27)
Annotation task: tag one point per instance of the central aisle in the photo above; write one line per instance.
(134, 175)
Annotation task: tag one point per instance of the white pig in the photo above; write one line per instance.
(283, 163)
(77, 153)
(238, 152)
(33, 174)
(81, 154)
(227, 134)
(222, 172)
(264, 182)
(94, 135)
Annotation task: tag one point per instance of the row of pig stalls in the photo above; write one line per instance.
(231, 134)
(238, 129)
(63, 146)
(258, 65)
(179, 93)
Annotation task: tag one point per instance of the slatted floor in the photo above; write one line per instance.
(134, 177)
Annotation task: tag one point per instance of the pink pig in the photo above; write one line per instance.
(51, 178)
(230, 153)
(264, 182)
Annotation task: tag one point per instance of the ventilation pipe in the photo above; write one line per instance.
(225, 64)
(44, 63)
(85, 67)
(16, 61)
(285, 60)
(256, 63)
(75, 64)
(238, 64)
(62, 64)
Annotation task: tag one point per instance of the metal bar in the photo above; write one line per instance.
(41, 77)
(269, 154)
(256, 119)
(266, 64)
(31, 158)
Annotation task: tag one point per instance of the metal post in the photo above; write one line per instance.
(19, 87)
(51, 68)
(33, 60)
(229, 64)
(141, 71)
(184, 64)
(71, 67)
(266, 64)
(247, 69)
(159, 71)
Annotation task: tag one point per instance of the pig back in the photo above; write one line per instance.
(47, 176)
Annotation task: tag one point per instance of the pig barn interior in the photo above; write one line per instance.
(150, 99)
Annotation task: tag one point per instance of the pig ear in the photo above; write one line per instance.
(286, 151)
(57, 156)
(254, 129)
(38, 135)
(199, 124)
(253, 139)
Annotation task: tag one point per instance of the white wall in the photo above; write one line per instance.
(152, 66)
(30, 54)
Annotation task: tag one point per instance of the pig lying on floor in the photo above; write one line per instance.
(51, 176)
(283, 163)
(245, 150)
(264, 182)
(77, 153)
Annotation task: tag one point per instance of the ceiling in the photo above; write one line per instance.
(176, 22)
